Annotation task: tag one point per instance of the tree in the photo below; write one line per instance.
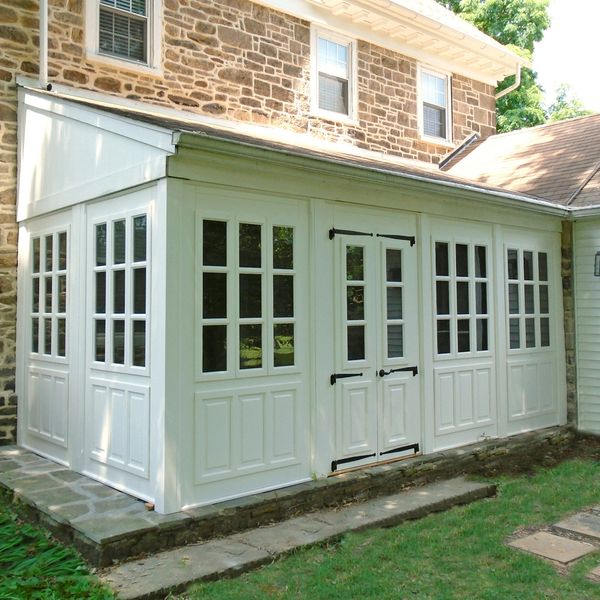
(566, 106)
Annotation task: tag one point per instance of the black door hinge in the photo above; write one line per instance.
(408, 238)
(333, 232)
(335, 376)
(382, 373)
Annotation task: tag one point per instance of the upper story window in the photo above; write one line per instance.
(434, 110)
(334, 79)
(124, 31)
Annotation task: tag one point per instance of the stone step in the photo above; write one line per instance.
(172, 571)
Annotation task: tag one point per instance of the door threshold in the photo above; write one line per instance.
(385, 461)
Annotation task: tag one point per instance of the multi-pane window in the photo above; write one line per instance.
(393, 303)
(461, 298)
(334, 65)
(528, 299)
(49, 295)
(120, 292)
(355, 302)
(248, 285)
(435, 105)
(123, 29)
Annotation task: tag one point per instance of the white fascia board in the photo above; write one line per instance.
(584, 212)
(507, 64)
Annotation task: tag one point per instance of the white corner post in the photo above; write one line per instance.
(43, 43)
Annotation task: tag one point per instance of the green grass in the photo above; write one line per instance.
(459, 554)
(35, 567)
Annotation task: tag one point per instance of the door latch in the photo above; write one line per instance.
(382, 373)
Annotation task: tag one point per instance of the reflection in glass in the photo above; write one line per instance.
(35, 300)
(47, 336)
(283, 296)
(214, 295)
(462, 260)
(48, 253)
(48, 294)
(443, 337)
(354, 263)
(514, 334)
(480, 261)
(395, 341)
(61, 337)
(543, 266)
(62, 293)
(139, 291)
(214, 348)
(545, 331)
(513, 298)
(544, 306)
(355, 303)
(36, 255)
(481, 298)
(250, 296)
(62, 251)
(138, 346)
(528, 265)
(35, 329)
(101, 292)
(463, 335)
(530, 333)
(441, 259)
(119, 291)
(529, 303)
(283, 345)
(250, 245)
(482, 335)
(99, 341)
(250, 346)
(119, 342)
(283, 248)
(214, 243)
(119, 242)
(462, 297)
(513, 264)
(394, 303)
(442, 297)
(139, 238)
(101, 245)
(356, 342)
(393, 265)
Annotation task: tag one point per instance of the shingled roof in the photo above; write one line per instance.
(559, 162)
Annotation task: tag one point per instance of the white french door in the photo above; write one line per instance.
(377, 348)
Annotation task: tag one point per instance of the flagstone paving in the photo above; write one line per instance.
(554, 547)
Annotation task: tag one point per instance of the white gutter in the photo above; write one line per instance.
(43, 67)
(512, 87)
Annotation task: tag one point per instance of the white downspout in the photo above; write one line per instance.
(512, 87)
(44, 44)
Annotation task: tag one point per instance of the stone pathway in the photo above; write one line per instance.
(174, 570)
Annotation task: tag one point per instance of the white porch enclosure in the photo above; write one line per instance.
(201, 319)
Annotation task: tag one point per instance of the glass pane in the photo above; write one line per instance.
(119, 342)
(513, 264)
(139, 291)
(138, 346)
(528, 265)
(333, 93)
(214, 348)
(119, 242)
(99, 341)
(250, 346)
(434, 89)
(48, 261)
(283, 296)
(355, 303)
(442, 297)
(530, 333)
(61, 337)
(62, 250)
(214, 295)
(283, 345)
(545, 331)
(434, 121)
(250, 245)
(529, 304)
(441, 259)
(463, 333)
(395, 341)
(101, 245)
(480, 261)
(35, 295)
(514, 333)
(462, 260)
(482, 335)
(283, 248)
(250, 296)
(139, 238)
(119, 291)
(36, 255)
(462, 297)
(101, 292)
(48, 294)
(443, 337)
(513, 298)
(354, 263)
(481, 298)
(356, 342)
(214, 244)
(62, 293)
(393, 260)
(35, 331)
(394, 303)
(542, 266)
(47, 336)
(544, 307)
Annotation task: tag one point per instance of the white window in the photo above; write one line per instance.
(333, 75)
(434, 110)
(124, 31)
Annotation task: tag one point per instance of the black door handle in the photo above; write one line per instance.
(415, 371)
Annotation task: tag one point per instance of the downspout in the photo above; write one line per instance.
(512, 87)
(43, 68)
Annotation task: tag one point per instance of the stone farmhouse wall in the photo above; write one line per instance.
(225, 58)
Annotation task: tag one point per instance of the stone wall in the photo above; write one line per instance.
(569, 320)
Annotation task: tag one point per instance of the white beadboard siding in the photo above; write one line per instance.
(587, 311)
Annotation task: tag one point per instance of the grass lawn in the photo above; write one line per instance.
(34, 567)
(459, 554)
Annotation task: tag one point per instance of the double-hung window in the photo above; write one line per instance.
(334, 59)
(435, 121)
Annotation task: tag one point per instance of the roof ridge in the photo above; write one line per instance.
(543, 125)
(585, 181)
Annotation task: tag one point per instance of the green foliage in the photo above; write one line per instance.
(566, 106)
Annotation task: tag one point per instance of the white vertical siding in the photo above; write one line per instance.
(587, 319)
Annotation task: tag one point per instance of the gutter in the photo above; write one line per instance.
(512, 87)
(43, 67)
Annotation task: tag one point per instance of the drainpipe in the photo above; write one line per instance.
(44, 45)
(512, 87)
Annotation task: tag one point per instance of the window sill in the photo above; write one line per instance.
(437, 142)
(123, 63)
(333, 116)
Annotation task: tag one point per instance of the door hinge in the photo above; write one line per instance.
(409, 238)
(335, 376)
(343, 461)
(414, 447)
(382, 373)
(333, 231)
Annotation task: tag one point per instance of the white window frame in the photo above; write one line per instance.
(153, 64)
(447, 141)
(315, 34)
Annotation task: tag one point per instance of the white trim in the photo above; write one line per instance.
(316, 33)
(153, 64)
(445, 141)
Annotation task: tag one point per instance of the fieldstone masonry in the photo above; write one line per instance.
(569, 320)
(227, 58)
